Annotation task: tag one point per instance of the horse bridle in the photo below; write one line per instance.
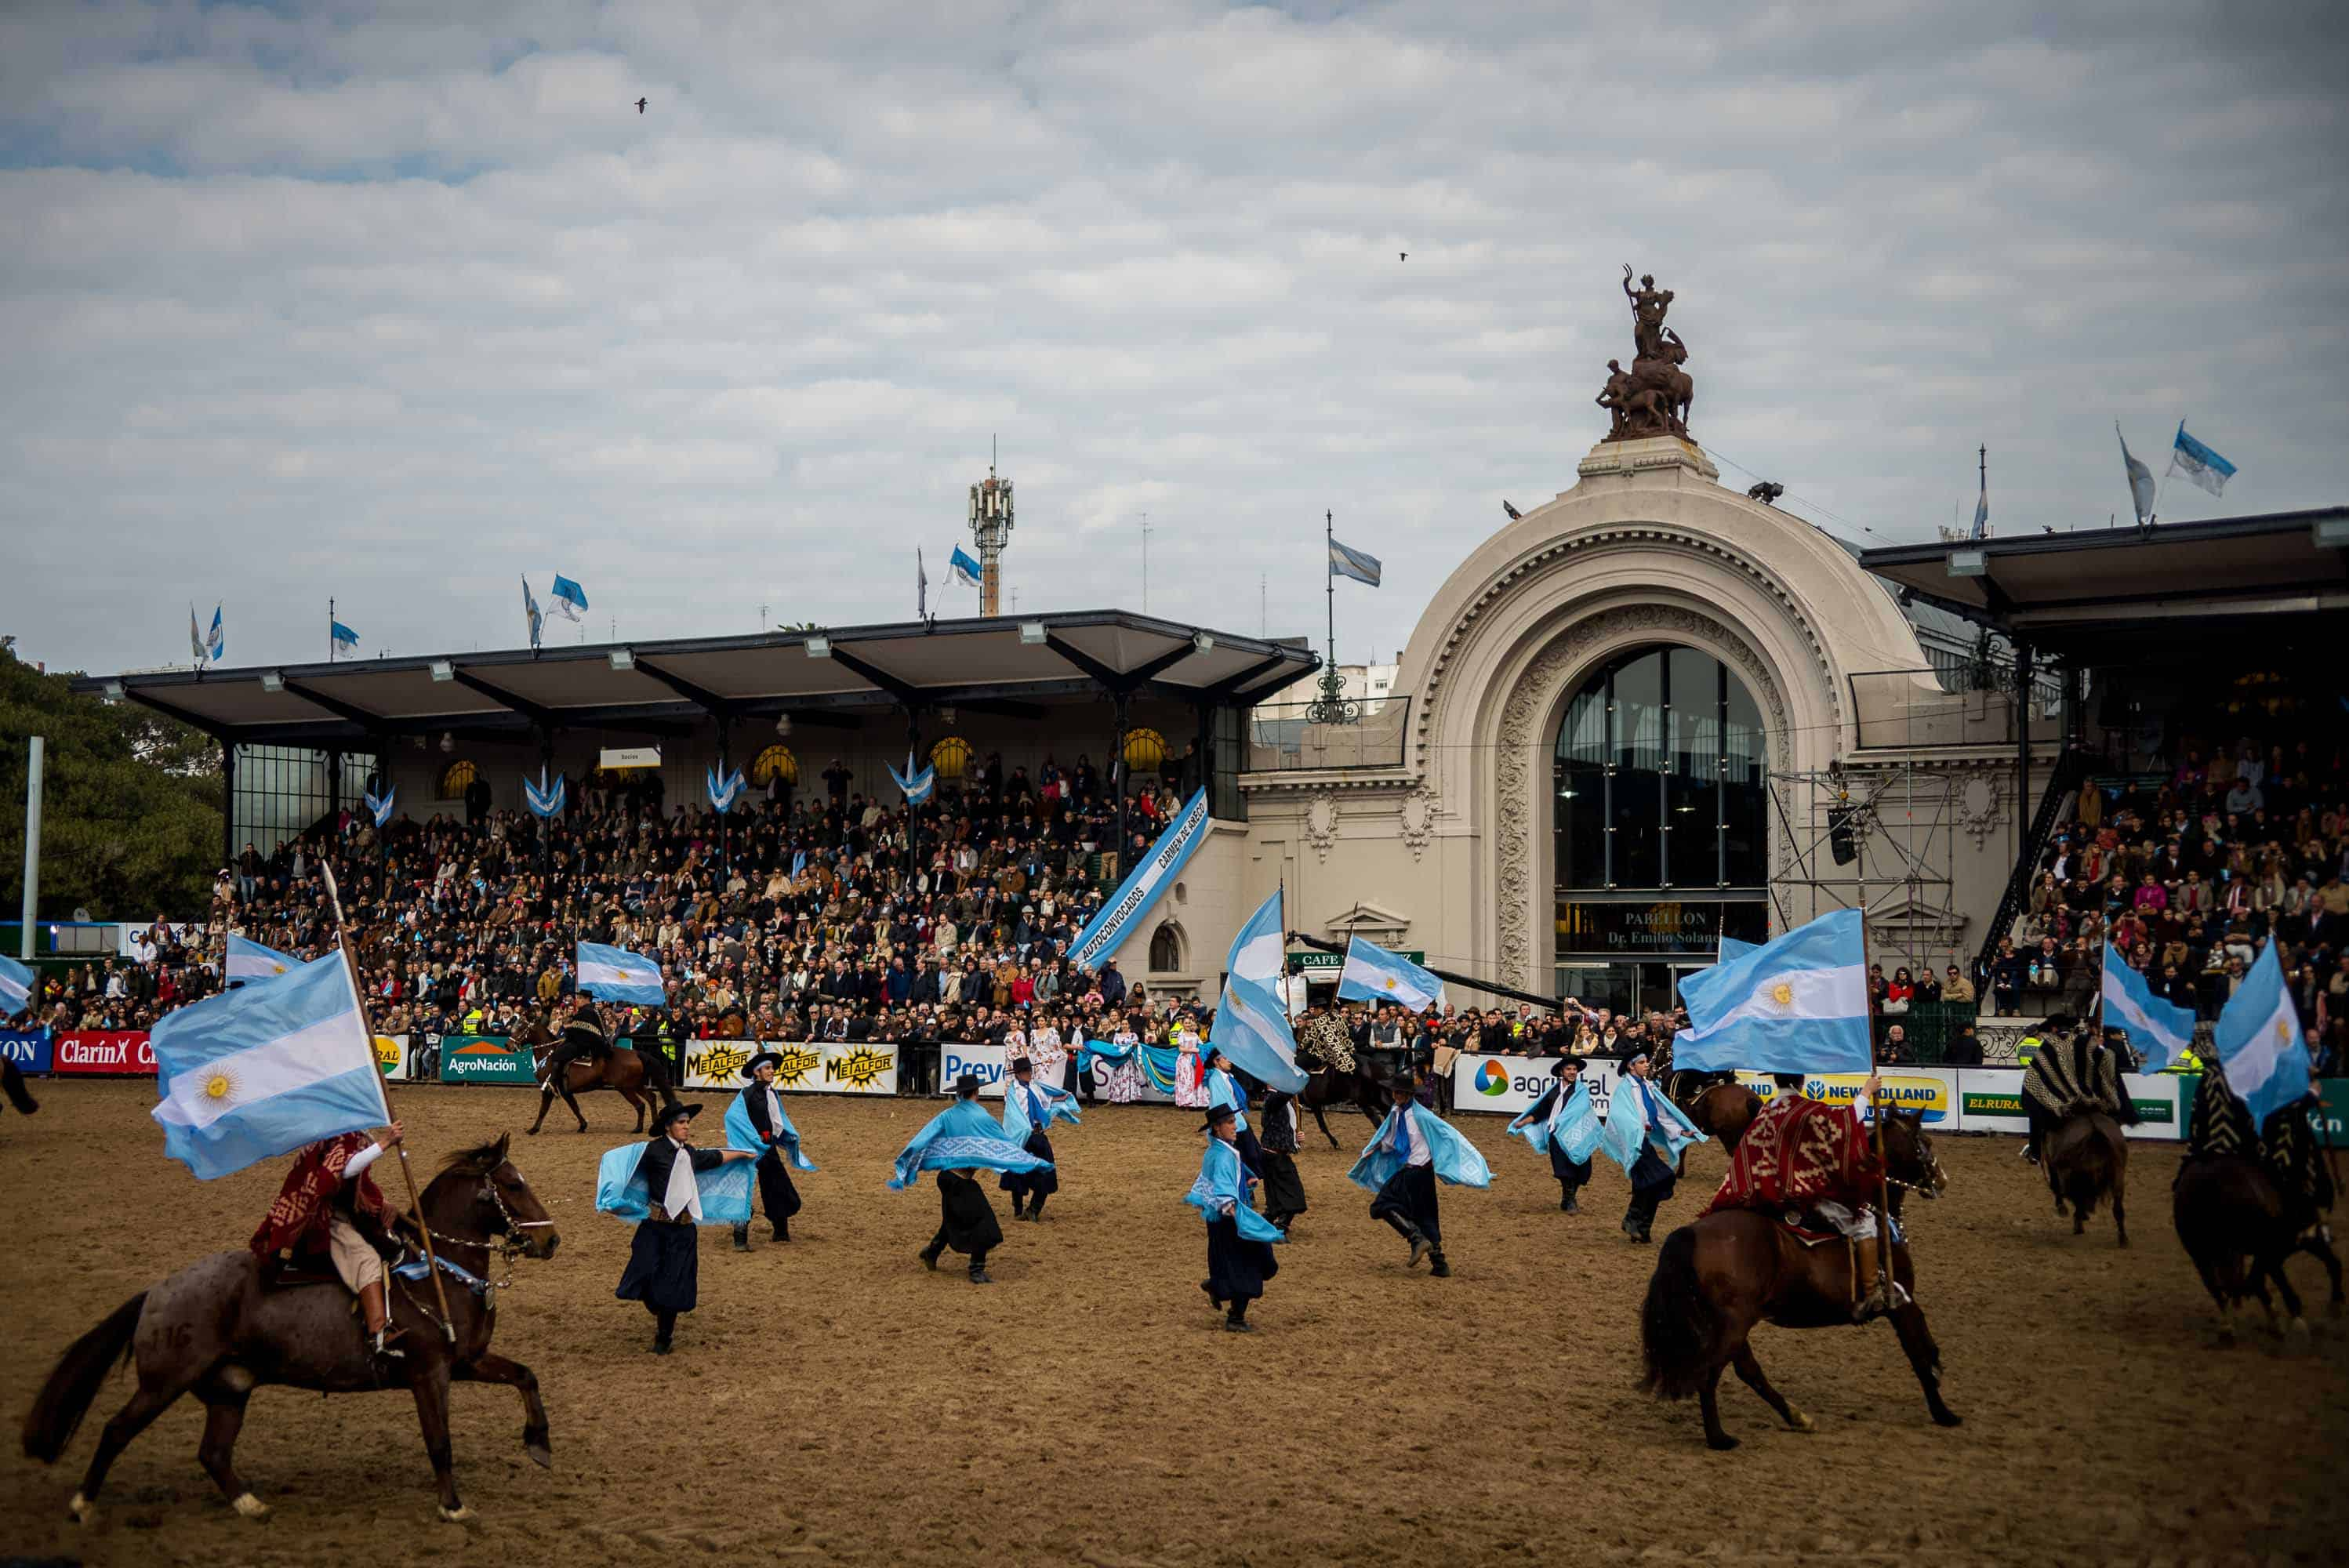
(508, 1244)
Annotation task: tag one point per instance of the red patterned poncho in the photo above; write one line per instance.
(298, 1220)
(1797, 1153)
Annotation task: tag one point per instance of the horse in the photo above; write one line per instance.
(1717, 1278)
(1328, 1085)
(214, 1329)
(618, 1067)
(12, 1081)
(1722, 1111)
(2238, 1227)
(2086, 1159)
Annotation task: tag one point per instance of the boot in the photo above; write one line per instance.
(1209, 1287)
(1876, 1301)
(741, 1238)
(929, 1256)
(782, 1230)
(664, 1331)
(1036, 1209)
(1236, 1321)
(1566, 1202)
(1018, 1206)
(377, 1314)
(978, 1275)
(1439, 1269)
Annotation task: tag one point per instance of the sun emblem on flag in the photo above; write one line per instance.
(1782, 993)
(1390, 982)
(220, 1086)
(2283, 1032)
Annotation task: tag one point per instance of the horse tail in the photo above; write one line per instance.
(1677, 1324)
(65, 1398)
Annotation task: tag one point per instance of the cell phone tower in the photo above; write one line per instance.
(990, 530)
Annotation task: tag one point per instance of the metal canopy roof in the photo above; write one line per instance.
(2108, 590)
(1008, 663)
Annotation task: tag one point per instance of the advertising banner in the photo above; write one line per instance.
(28, 1048)
(985, 1062)
(1510, 1085)
(391, 1055)
(2333, 1124)
(123, 1052)
(484, 1058)
(819, 1066)
(1990, 1100)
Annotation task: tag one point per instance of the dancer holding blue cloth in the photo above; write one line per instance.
(1028, 1107)
(757, 1120)
(958, 1140)
(1564, 1122)
(1412, 1150)
(1239, 1239)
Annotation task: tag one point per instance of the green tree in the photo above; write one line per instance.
(130, 803)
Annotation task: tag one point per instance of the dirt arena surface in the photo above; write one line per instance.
(833, 1402)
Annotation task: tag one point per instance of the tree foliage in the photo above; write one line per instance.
(131, 807)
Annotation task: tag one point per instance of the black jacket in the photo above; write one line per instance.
(660, 1156)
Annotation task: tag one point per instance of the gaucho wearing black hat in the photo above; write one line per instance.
(665, 1256)
(776, 1196)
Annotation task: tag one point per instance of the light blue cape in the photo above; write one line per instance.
(621, 1189)
(1223, 1184)
(1573, 1127)
(1626, 1130)
(962, 1137)
(1456, 1160)
(741, 1133)
(1059, 1105)
(1225, 1089)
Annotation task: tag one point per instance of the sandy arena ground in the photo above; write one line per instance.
(832, 1402)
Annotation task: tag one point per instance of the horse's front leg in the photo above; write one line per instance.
(1749, 1371)
(2319, 1248)
(545, 1101)
(1709, 1401)
(572, 1100)
(1924, 1356)
(2120, 1209)
(429, 1384)
(1322, 1122)
(489, 1368)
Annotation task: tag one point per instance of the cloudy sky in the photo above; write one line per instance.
(305, 301)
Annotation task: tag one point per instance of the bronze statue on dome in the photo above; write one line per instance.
(1654, 396)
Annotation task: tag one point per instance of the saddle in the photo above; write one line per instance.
(1807, 1229)
(292, 1271)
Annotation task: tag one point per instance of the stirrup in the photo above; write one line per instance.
(382, 1350)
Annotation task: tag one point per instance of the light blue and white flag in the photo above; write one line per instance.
(1797, 1004)
(2140, 480)
(1345, 560)
(2260, 1042)
(1251, 1025)
(962, 1137)
(530, 612)
(216, 640)
(616, 974)
(724, 789)
(343, 638)
(568, 596)
(2203, 469)
(16, 987)
(264, 1069)
(2157, 1030)
(916, 786)
(545, 800)
(921, 585)
(380, 807)
(965, 570)
(1374, 974)
(249, 961)
(1107, 930)
(195, 637)
(1980, 529)
(1730, 947)
(1640, 1116)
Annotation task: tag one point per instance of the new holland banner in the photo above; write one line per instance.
(1107, 930)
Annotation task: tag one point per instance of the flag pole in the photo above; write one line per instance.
(415, 1203)
(1883, 1170)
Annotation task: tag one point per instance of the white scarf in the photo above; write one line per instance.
(684, 1194)
(774, 1111)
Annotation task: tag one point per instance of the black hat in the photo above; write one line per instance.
(1569, 1060)
(764, 1059)
(671, 1113)
(1021, 1065)
(1216, 1115)
(1404, 1082)
(966, 1085)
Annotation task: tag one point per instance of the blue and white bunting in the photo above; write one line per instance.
(1251, 1025)
(530, 612)
(249, 961)
(2260, 1042)
(1374, 974)
(380, 807)
(723, 789)
(568, 596)
(965, 570)
(1345, 560)
(2203, 469)
(264, 1069)
(916, 786)
(16, 987)
(545, 800)
(1797, 1004)
(2157, 1031)
(1106, 931)
(616, 974)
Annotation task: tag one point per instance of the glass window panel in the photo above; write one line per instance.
(1580, 779)
(1635, 790)
(1692, 768)
(1744, 795)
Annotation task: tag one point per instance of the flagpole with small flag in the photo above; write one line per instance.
(367, 1022)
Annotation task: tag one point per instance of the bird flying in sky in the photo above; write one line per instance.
(640, 105)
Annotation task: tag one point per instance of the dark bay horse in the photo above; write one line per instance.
(2087, 1161)
(1724, 1110)
(618, 1068)
(1717, 1278)
(2238, 1226)
(216, 1331)
(1358, 1090)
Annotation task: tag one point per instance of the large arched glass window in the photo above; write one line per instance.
(1660, 777)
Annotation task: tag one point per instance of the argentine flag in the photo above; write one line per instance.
(1345, 560)
(2203, 469)
(1251, 1025)
(265, 1069)
(568, 596)
(216, 640)
(16, 987)
(616, 974)
(1374, 974)
(249, 961)
(1730, 947)
(965, 570)
(1798, 1004)
(344, 637)
(916, 787)
(530, 612)
(2157, 1030)
(2260, 1042)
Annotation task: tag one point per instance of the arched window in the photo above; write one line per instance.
(951, 758)
(1146, 750)
(1659, 776)
(1166, 949)
(775, 763)
(456, 778)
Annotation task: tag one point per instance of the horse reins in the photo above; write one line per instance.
(508, 1245)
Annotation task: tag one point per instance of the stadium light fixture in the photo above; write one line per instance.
(1969, 562)
(1203, 641)
(448, 742)
(442, 670)
(819, 647)
(271, 681)
(623, 658)
(782, 724)
(2333, 533)
(1031, 632)
(111, 691)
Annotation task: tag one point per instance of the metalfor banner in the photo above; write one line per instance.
(484, 1058)
(808, 1067)
(123, 1052)
(28, 1048)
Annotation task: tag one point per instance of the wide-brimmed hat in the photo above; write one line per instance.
(1404, 1082)
(1217, 1115)
(966, 1085)
(1022, 1065)
(667, 1114)
(764, 1059)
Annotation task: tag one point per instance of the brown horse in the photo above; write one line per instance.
(1717, 1278)
(2238, 1228)
(1724, 1110)
(214, 1329)
(618, 1067)
(1358, 1090)
(2087, 1159)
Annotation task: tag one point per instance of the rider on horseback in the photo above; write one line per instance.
(330, 1207)
(1806, 1157)
(2067, 1076)
(585, 1036)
